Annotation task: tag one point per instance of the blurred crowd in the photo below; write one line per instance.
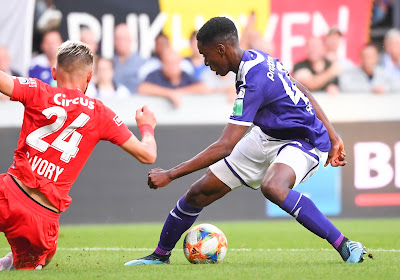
(325, 69)
(169, 75)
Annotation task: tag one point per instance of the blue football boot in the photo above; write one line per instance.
(352, 251)
(357, 251)
(150, 259)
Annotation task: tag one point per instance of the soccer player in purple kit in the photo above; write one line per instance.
(291, 135)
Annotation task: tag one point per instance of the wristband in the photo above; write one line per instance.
(146, 128)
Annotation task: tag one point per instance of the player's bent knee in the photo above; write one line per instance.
(267, 189)
(274, 191)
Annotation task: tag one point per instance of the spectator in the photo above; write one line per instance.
(5, 67)
(41, 64)
(391, 56)
(265, 46)
(170, 81)
(250, 34)
(381, 15)
(126, 62)
(46, 18)
(316, 72)
(335, 48)
(154, 63)
(106, 87)
(221, 84)
(251, 38)
(5, 61)
(368, 77)
(196, 59)
(89, 38)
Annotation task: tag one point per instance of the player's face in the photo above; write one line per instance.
(214, 57)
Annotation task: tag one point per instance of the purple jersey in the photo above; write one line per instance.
(267, 98)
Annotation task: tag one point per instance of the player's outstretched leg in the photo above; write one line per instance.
(307, 214)
(276, 187)
(205, 191)
(6, 262)
(178, 221)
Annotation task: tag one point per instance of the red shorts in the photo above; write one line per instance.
(31, 229)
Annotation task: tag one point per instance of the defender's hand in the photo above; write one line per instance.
(336, 155)
(145, 116)
(158, 178)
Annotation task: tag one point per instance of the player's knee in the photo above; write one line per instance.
(274, 191)
(267, 188)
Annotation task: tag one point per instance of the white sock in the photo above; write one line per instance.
(6, 262)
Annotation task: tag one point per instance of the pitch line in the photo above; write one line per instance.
(230, 249)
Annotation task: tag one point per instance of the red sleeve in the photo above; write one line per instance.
(24, 89)
(112, 127)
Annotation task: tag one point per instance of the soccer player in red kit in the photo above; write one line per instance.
(61, 127)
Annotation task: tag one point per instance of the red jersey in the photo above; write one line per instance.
(60, 129)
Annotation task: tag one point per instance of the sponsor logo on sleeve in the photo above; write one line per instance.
(241, 93)
(238, 105)
(23, 81)
(238, 108)
(27, 81)
(117, 120)
(32, 82)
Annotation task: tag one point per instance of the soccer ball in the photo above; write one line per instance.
(205, 243)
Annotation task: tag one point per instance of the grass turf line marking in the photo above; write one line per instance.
(230, 249)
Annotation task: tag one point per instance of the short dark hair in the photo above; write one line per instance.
(218, 29)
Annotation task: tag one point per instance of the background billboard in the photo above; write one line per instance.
(285, 24)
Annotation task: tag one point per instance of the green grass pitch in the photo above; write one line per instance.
(278, 249)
